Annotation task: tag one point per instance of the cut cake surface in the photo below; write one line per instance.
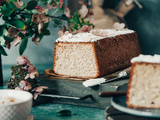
(95, 56)
(144, 84)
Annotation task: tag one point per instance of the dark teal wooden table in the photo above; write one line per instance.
(48, 111)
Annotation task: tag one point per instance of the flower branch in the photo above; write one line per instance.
(24, 8)
(60, 18)
(22, 21)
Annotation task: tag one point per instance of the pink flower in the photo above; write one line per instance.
(38, 90)
(23, 31)
(61, 33)
(32, 71)
(18, 4)
(61, 3)
(67, 12)
(49, 6)
(40, 19)
(118, 26)
(12, 32)
(18, 88)
(17, 40)
(86, 28)
(25, 85)
(36, 40)
(83, 11)
(22, 60)
(13, 76)
(99, 32)
(41, 10)
(52, 5)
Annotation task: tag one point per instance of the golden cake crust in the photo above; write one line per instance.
(111, 53)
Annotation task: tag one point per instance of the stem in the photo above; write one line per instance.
(57, 17)
(24, 8)
(46, 15)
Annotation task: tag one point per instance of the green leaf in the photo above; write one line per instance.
(40, 37)
(2, 51)
(8, 39)
(23, 45)
(34, 11)
(64, 113)
(3, 31)
(31, 5)
(7, 9)
(57, 22)
(2, 41)
(17, 24)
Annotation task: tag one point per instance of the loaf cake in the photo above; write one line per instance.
(96, 53)
(144, 83)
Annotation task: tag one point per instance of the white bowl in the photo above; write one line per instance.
(15, 110)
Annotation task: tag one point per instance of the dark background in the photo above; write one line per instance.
(145, 21)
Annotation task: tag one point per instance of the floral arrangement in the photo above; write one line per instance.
(21, 21)
(23, 77)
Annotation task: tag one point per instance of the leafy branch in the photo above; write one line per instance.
(32, 2)
(23, 21)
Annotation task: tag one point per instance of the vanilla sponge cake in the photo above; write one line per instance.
(88, 55)
(144, 83)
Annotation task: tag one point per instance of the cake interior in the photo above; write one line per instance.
(144, 86)
(75, 65)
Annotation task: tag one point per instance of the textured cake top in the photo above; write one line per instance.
(93, 35)
(146, 58)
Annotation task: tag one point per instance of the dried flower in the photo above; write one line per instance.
(83, 11)
(25, 85)
(118, 26)
(38, 90)
(52, 5)
(32, 71)
(99, 32)
(86, 28)
(61, 33)
(23, 75)
(67, 12)
(61, 3)
(40, 19)
(36, 39)
(17, 40)
(18, 4)
(22, 60)
(41, 10)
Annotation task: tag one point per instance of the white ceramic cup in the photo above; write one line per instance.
(15, 110)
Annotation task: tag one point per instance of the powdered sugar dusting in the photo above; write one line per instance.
(90, 37)
(100, 33)
(147, 58)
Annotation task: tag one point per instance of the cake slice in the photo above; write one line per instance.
(144, 83)
(94, 54)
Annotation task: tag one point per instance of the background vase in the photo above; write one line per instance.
(1, 76)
